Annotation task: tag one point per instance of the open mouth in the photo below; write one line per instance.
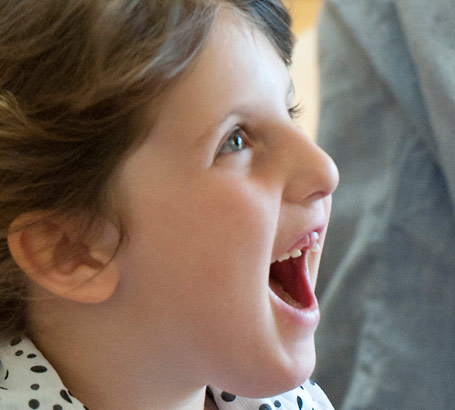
(289, 276)
(289, 280)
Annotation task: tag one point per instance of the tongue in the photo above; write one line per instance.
(282, 294)
(288, 280)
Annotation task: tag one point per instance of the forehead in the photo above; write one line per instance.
(237, 67)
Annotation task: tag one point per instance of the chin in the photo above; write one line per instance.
(287, 378)
(280, 375)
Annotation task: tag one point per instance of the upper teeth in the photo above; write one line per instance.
(295, 253)
(314, 246)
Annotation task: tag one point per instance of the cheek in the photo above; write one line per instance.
(237, 220)
(209, 236)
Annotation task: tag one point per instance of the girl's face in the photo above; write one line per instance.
(223, 186)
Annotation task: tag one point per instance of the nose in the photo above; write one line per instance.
(311, 172)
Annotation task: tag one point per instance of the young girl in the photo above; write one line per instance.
(161, 214)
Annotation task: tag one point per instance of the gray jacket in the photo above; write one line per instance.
(387, 278)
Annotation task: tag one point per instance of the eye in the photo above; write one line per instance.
(234, 143)
(295, 112)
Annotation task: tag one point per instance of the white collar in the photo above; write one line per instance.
(28, 381)
(309, 396)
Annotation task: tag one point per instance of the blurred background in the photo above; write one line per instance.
(305, 66)
(304, 13)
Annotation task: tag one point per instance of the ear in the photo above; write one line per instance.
(48, 251)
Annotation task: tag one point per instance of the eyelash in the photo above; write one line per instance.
(294, 113)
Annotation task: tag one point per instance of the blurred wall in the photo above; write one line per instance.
(304, 70)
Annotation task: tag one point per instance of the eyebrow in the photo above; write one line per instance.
(211, 130)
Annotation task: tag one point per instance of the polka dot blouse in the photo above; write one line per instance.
(28, 381)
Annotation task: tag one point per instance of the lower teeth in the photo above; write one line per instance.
(287, 297)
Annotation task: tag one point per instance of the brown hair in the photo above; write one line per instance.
(74, 78)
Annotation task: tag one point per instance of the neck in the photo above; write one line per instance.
(124, 373)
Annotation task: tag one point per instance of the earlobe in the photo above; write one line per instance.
(51, 256)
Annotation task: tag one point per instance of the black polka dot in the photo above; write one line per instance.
(299, 402)
(65, 396)
(38, 369)
(7, 374)
(312, 382)
(34, 386)
(277, 404)
(33, 404)
(16, 341)
(19, 353)
(228, 397)
(264, 407)
(57, 407)
(31, 356)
